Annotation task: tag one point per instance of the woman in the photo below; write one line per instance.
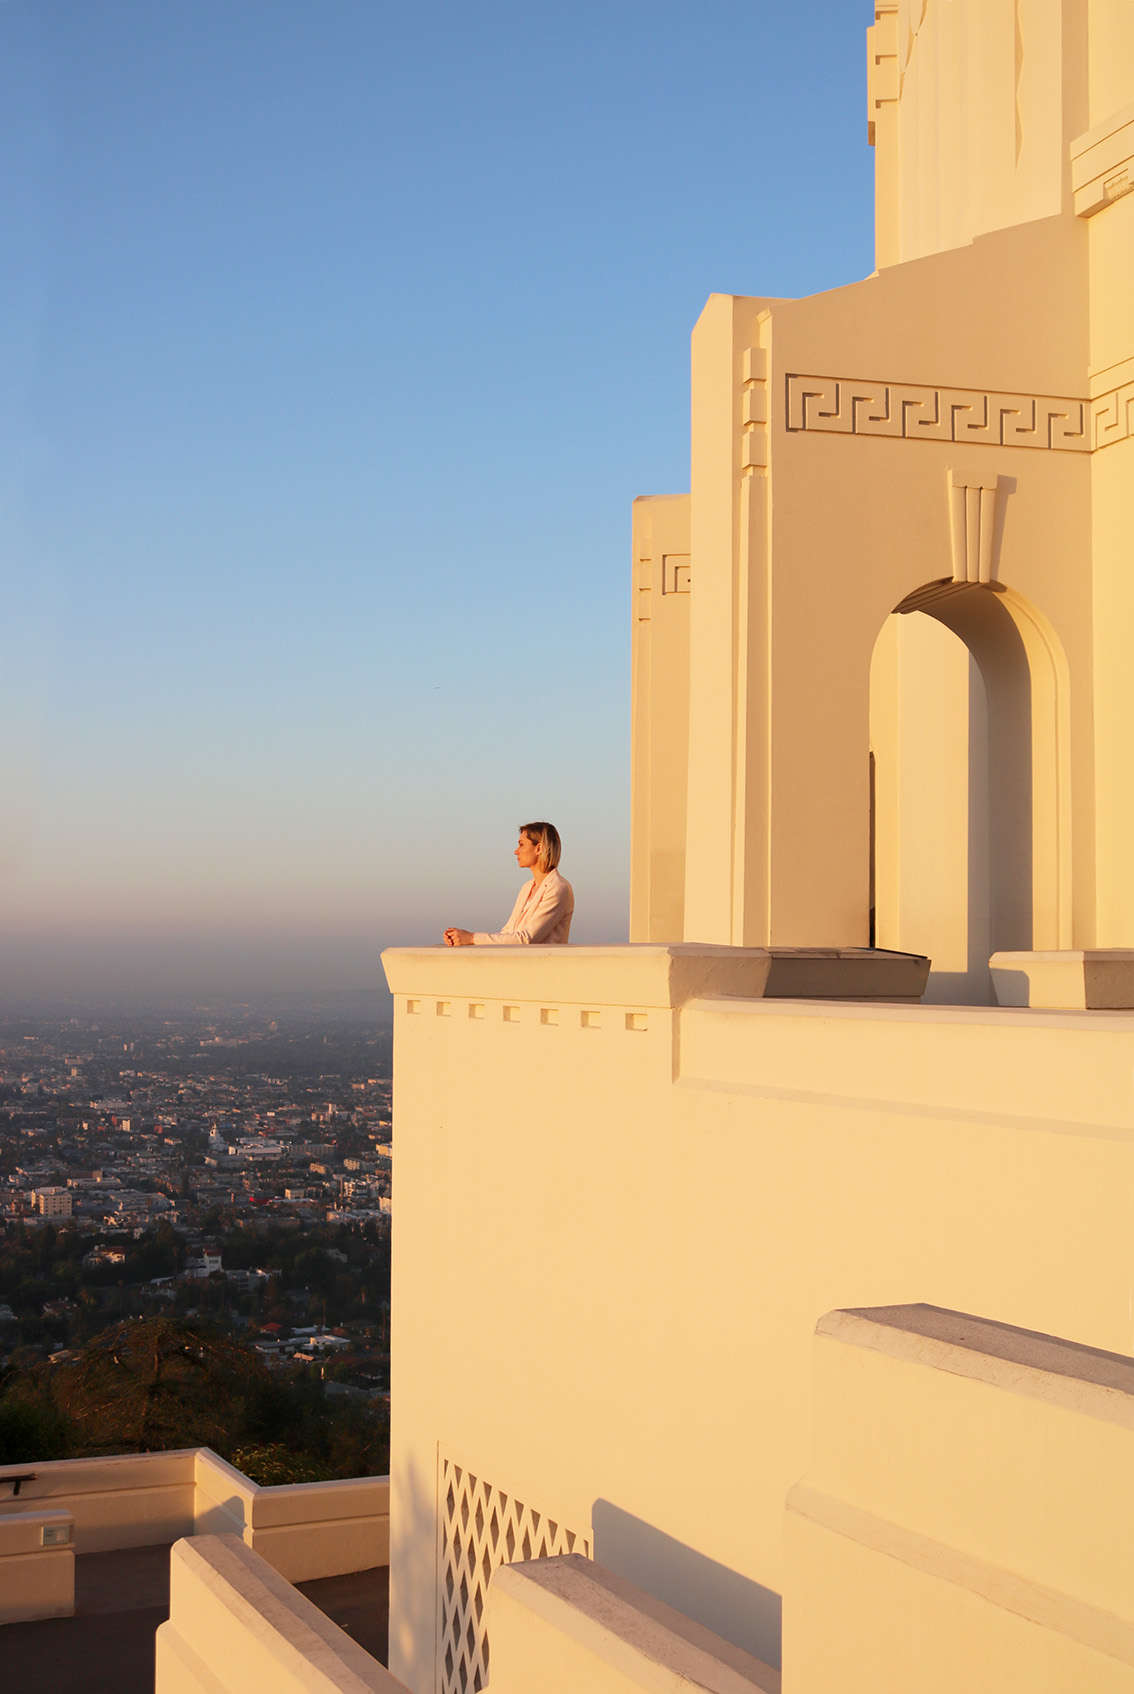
(542, 914)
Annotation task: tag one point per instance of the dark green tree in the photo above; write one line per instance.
(32, 1431)
(145, 1385)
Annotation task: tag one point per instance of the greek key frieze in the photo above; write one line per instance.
(842, 406)
(1112, 416)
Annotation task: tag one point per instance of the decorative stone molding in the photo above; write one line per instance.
(1101, 979)
(882, 74)
(754, 411)
(972, 525)
(845, 406)
(1112, 416)
(676, 573)
(1102, 163)
(480, 1528)
(643, 563)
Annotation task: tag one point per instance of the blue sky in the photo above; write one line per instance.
(336, 338)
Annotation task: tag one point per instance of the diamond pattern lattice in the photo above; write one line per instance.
(479, 1528)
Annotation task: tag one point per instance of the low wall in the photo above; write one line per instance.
(37, 1566)
(566, 1624)
(966, 1521)
(656, 1186)
(132, 1500)
(305, 1530)
(236, 1624)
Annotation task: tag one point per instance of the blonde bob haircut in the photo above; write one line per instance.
(545, 838)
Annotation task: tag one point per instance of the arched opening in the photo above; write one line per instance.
(968, 839)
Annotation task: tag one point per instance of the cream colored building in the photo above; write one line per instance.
(907, 537)
(763, 1296)
(883, 693)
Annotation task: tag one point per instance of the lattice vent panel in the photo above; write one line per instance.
(479, 1528)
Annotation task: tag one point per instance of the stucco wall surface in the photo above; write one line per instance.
(126, 1500)
(828, 437)
(236, 1625)
(964, 1523)
(565, 1624)
(306, 1530)
(615, 1240)
(36, 1580)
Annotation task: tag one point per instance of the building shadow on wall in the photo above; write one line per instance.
(412, 1623)
(733, 1606)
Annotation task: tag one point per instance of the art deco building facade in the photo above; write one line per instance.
(882, 694)
(763, 1295)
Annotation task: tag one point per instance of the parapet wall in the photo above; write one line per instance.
(565, 1624)
(304, 1530)
(965, 1522)
(620, 1230)
(51, 1512)
(125, 1500)
(235, 1625)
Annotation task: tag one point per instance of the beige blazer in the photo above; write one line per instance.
(541, 916)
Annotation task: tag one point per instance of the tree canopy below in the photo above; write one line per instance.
(152, 1384)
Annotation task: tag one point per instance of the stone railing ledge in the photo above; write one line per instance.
(654, 975)
(1099, 979)
(235, 1624)
(598, 1630)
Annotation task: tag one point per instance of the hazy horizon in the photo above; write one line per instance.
(335, 343)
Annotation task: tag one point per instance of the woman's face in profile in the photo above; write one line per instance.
(527, 853)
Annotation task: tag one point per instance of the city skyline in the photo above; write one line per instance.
(336, 342)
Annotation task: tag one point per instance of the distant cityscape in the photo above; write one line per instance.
(232, 1164)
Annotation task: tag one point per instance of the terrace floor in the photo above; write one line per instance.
(120, 1598)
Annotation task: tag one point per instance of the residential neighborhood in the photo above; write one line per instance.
(229, 1164)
